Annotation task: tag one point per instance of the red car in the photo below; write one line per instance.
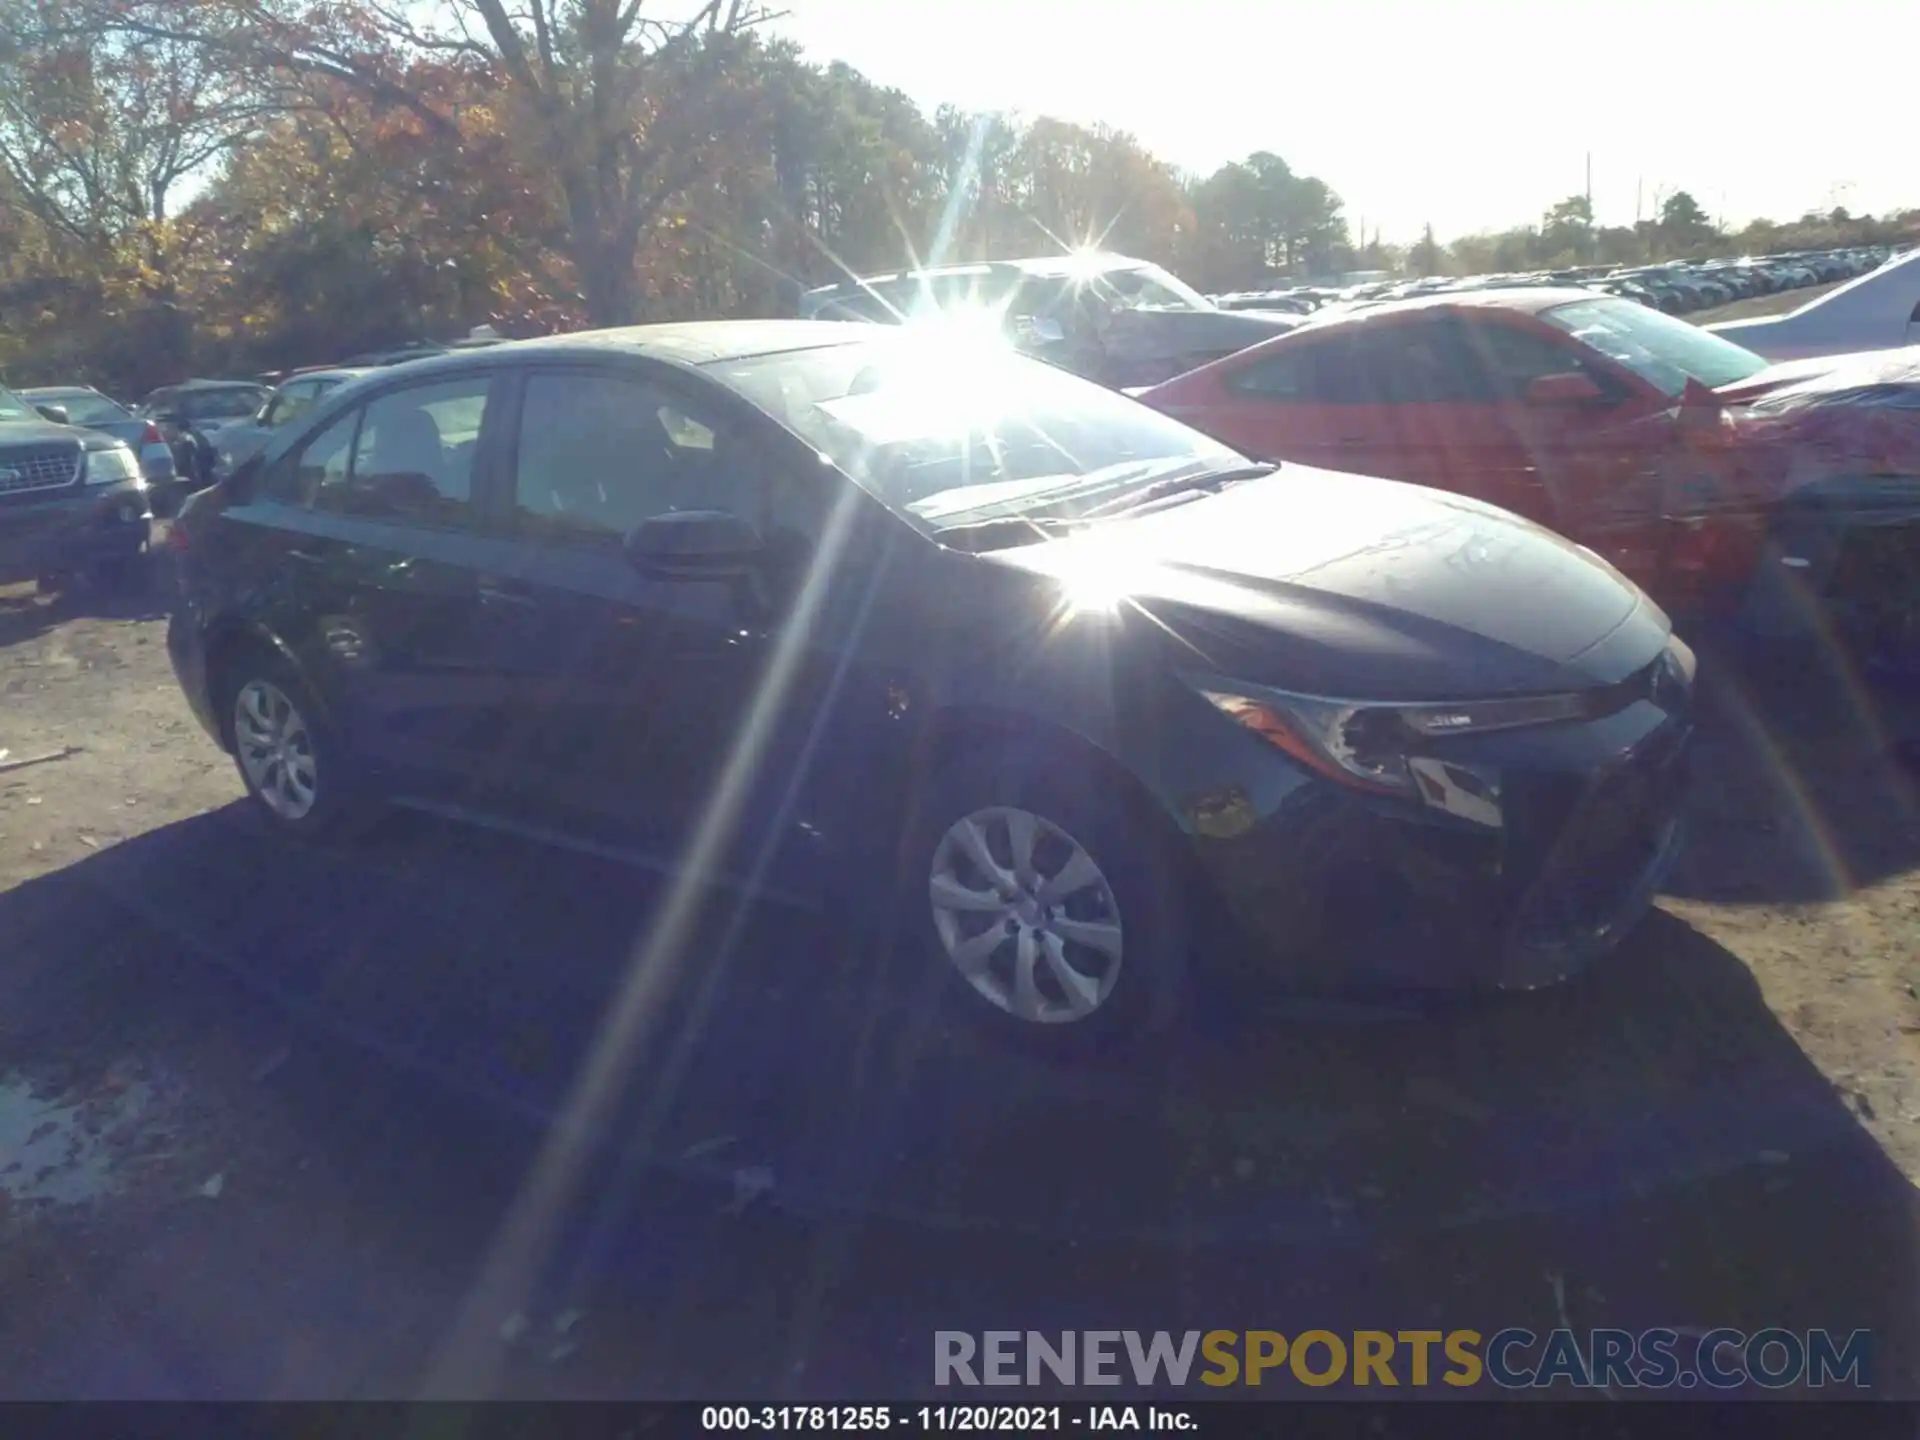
(1675, 454)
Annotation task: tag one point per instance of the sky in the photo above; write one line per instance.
(1470, 116)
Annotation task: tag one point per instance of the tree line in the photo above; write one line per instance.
(227, 186)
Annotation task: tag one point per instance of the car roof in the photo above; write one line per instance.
(328, 372)
(1530, 300)
(51, 390)
(1041, 265)
(693, 343)
(188, 386)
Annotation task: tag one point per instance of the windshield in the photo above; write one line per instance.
(12, 407)
(948, 435)
(1148, 287)
(1661, 350)
(86, 408)
(224, 404)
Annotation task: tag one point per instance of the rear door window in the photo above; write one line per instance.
(413, 455)
(323, 461)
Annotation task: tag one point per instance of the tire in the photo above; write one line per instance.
(1121, 933)
(266, 707)
(122, 574)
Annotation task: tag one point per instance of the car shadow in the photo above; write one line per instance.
(809, 1172)
(1807, 780)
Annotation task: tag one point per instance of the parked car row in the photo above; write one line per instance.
(1676, 287)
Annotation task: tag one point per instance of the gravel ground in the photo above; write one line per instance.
(265, 1114)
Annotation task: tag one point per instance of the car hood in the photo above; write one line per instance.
(38, 432)
(1344, 585)
(1842, 415)
(1817, 371)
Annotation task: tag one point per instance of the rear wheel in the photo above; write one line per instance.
(121, 573)
(299, 775)
(1050, 913)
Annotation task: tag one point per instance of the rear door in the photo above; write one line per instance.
(1268, 405)
(1397, 402)
(373, 535)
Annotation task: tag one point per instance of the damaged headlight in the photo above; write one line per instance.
(1379, 748)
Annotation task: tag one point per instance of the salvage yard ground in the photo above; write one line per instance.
(262, 1109)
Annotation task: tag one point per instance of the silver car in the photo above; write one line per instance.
(294, 396)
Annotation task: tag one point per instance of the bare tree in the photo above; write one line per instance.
(99, 129)
(620, 108)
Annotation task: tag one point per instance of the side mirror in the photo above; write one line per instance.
(56, 413)
(244, 480)
(1036, 330)
(693, 544)
(1572, 388)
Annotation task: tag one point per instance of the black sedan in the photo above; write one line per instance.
(1032, 675)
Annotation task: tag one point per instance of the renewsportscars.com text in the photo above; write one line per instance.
(1725, 1359)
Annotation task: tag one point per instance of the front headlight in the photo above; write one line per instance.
(1376, 747)
(112, 465)
(1347, 742)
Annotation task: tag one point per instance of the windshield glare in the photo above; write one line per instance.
(1661, 350)
(87, 409)
(948, 435)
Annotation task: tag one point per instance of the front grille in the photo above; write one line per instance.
(1609, 838)
(1608, 699)
(38, 467)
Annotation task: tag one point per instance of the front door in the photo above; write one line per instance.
(634, 689)
(1597, 471)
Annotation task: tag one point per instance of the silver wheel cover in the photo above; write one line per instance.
(1026, 915)
(275, 749)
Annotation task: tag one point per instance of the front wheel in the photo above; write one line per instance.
(1051, 911)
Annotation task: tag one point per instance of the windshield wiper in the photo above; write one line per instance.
(1001, 530)
(1161, 489)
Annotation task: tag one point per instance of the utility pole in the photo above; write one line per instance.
(1588, 246)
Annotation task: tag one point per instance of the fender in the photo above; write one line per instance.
(230, 635)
